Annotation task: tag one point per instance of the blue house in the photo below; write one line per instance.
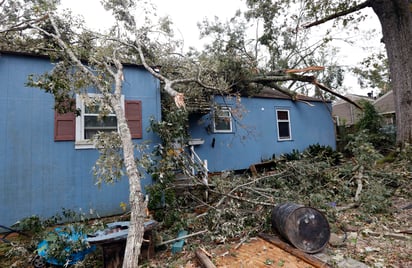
(241, 131)
(46, 158)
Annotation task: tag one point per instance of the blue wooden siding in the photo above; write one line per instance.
(39, 176)
(254, 138)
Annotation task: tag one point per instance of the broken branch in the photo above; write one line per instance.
(325, 88)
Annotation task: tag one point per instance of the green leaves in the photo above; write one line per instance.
(109, 167)
(373, 72)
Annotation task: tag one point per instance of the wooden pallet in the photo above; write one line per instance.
(265, 251)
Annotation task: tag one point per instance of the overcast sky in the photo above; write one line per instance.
(185, 15)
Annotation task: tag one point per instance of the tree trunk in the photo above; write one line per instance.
(395, 17)
(136, 198)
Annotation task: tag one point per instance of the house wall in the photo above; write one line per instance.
(347, 114)
(39, 176)
(254, 138)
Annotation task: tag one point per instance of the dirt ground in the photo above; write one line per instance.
(376, 241)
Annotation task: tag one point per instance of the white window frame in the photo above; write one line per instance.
(229, 115)
(283, 121)
(80, 142)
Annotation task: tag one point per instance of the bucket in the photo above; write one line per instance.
(305, 228)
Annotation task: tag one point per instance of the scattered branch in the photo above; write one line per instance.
(243, 185)
(359, 177)
(182, 237)
(204, 260)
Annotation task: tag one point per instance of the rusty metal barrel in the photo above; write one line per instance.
(304, 227)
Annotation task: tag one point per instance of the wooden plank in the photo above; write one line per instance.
(294, 251)
(258, 253)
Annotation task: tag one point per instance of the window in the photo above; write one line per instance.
(89, 122)
(222, 121)
(94, 124)
(283, 125)
(69, 127)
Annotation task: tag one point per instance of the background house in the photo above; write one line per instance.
(345, 113)
(45, 163)
(385, 105)
(247, 130)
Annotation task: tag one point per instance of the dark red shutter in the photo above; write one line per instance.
(133, 111)
(64, 126)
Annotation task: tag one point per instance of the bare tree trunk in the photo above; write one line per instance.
(136, 228)
(136, 198)
(396, 20)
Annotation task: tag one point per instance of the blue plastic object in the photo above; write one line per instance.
(178, 245)
(74, 257)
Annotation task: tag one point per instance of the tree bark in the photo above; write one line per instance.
(137, 203)
(136, 198)
(395, 17)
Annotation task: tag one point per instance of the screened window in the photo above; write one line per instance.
(222, 120)
(90, 121)
(93, 123)
(283, 122)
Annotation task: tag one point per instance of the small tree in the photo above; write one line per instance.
(371, 124)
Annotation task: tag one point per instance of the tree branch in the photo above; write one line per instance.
(338, 14)
(24, 24)
(290, 75)
(325, 88)
(229, 194)
(283, 78)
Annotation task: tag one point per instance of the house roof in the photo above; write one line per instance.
(203, 104)
(22, 53)
(272, 93)
(353, 97)
(44, 56)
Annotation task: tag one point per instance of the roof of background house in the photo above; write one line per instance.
(353, 97)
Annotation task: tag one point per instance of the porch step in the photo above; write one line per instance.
(184, 181)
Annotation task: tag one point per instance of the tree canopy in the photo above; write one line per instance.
(396, 22)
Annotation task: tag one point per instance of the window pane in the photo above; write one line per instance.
(223, 113)
(89, 133)
(283, 115)
(91, 109)
(284, 130)
(222, 120)
(95, 122)
(222, 124)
